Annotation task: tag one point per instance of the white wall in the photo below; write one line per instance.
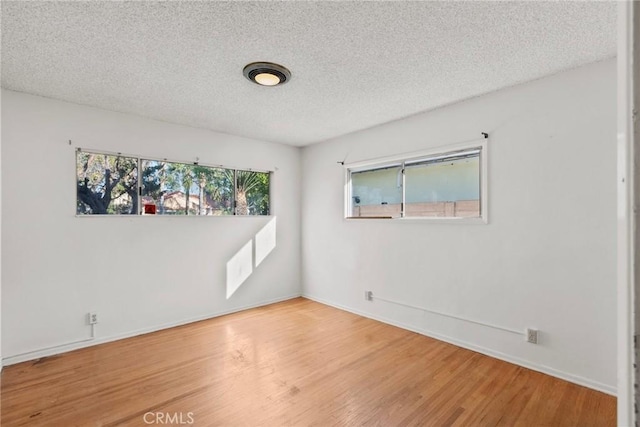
(545, 260)
(138, 273)
(1, 363)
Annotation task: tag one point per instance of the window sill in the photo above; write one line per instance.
(432, 220)
(170, 216)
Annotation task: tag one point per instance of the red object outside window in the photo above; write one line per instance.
(150, 209)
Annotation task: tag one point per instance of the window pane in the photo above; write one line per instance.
(182, 189)
(376, 193)
(252, 193)
(215, 190)
(154, 178)
(447, 187)
(106, 184)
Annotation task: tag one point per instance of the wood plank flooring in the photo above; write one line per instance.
(296, 363)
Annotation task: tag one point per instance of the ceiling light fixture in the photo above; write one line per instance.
(266, 73)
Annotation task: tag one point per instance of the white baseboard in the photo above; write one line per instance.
(50, 351)
(576, 379)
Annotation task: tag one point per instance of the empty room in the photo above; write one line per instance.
(316, 213)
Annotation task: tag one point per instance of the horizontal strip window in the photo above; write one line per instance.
(449, 184)
(114, 184)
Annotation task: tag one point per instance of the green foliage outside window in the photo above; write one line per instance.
(108, 184)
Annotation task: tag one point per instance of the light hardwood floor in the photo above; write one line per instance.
(293, 363)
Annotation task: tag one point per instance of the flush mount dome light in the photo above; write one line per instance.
(266, 73)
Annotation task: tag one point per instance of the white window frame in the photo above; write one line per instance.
(401, 159)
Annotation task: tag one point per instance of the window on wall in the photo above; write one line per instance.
(377, 192)
(116, 184)
(170, 188)
(106, 184)
(443, 184)
(251, 193)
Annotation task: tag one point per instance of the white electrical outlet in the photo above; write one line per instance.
(368, 295)
(93, 318)
(532, 336)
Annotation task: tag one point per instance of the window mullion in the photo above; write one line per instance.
(139, 207)
(403, 202)
(235, 192)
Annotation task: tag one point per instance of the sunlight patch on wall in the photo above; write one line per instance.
(239, 268)
(243, 263)
(265, 241)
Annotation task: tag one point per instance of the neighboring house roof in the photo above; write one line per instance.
(176, 200)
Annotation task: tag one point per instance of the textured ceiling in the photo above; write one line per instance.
(354, 64)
